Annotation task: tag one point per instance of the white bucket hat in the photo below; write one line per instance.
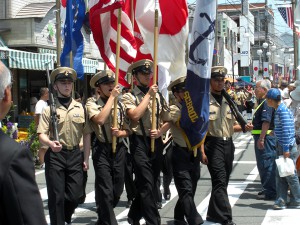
(295, 94)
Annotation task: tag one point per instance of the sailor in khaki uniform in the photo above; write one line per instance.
(109, 168)
(186, 167)
(138, 107)
(219, 149)
(63, 161)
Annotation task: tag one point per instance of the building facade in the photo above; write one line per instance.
(28, 46)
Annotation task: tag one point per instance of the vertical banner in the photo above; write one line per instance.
(255, 69)
(245, 48)
(195, 109)
(266, 69)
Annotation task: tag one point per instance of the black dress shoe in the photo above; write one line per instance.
(228, 222)
(159, 205)
(167, 193)
(129, 203)
(210, 219)
(180, 222)
(260, 193)
(167, 196)
(132, 222)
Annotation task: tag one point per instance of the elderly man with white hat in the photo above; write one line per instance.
(295, 109)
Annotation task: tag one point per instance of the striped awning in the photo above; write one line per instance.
(30, 61)
(38, 61)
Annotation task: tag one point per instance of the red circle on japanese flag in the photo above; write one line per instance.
(255, 68)
(265, 69)
(64, 3)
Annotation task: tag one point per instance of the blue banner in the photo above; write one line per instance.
(195, 111)
(73, 39)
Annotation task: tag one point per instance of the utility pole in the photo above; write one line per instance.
(295, 43)
(232, 61)
(215, 56)
(266, 32)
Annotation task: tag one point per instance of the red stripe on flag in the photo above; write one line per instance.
(104, 33)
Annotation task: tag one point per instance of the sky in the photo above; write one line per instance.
(280, 24)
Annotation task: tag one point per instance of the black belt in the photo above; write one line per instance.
(219, 138)
(178, 146)
(70, 147)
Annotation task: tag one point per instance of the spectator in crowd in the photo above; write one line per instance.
(20, 199)
(285, 95)
(284, 132)
(264, 144)
(240, 98)
(283, 86)
(33, 101)
(295, 109)
(292, 86)
(40, 106)
(249, 104)
(77, 97)
(229, 90)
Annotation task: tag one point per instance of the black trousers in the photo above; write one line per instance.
(186, 172)
(64, 178)
(167, 168)
(109, 180)
(220, 155)
(129, 182)
(147, 167)
(167, 171)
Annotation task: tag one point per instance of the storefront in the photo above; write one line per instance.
(29, 75)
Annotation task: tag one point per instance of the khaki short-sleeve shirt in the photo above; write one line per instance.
(131, 101)
(176, 132)
(221, 120)
(71, 124)
(94, 107)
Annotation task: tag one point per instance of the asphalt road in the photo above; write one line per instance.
(243, 188)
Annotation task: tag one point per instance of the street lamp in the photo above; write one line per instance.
(273, 49)
(265, 45)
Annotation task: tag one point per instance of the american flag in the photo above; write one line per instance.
(103, 21)
(73, 39)
(287, 14)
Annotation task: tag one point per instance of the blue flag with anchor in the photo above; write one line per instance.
(73, 39)
(195, 110)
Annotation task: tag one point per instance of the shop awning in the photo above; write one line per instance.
(36, 10)
(89, 65)
(38, 61)
(3, 52)
(29, 60)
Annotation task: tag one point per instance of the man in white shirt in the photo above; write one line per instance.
(40, 105)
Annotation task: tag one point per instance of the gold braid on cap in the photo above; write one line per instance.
(147, 65)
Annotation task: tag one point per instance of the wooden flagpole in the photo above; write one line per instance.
(154, 75)
(58, 33)
(132, 22)
(115, 119)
